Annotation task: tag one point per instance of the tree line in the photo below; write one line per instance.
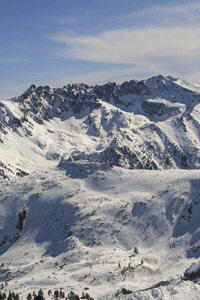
(56, 295)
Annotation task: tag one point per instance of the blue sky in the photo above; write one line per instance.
(56, 42)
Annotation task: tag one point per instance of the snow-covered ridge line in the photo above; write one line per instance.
(84, 205)
(149, 124)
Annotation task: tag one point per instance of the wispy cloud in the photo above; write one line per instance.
(67, 20)
(168, 14)
(167, 41)
(98, 77)
(142, 46)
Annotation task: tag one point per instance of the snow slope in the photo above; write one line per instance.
(82, 233)
(99, 190)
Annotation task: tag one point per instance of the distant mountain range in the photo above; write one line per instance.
(99, 189)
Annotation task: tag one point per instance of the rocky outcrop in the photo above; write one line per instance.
(147, 124)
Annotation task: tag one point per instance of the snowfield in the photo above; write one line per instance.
(102, 196)
(114, 229)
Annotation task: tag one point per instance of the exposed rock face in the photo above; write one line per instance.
(160, 109)
(149, 124)
(104, 226)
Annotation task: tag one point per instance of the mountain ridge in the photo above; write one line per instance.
(100, 190)
(149, 124)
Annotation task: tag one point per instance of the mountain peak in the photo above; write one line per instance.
(30, 89)
(95, 189)
(142, 124)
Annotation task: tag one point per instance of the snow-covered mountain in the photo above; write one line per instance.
(100, 189)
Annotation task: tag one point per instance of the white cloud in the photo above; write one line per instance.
(169, 14)
(167, 43)
(139, 46)
(165, 50)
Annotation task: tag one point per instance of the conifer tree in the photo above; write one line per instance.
(9, 296)
(29, 296)
(40, 292)
(56, 294)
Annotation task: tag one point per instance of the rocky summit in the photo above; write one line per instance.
(99, 190)
(151, 124)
